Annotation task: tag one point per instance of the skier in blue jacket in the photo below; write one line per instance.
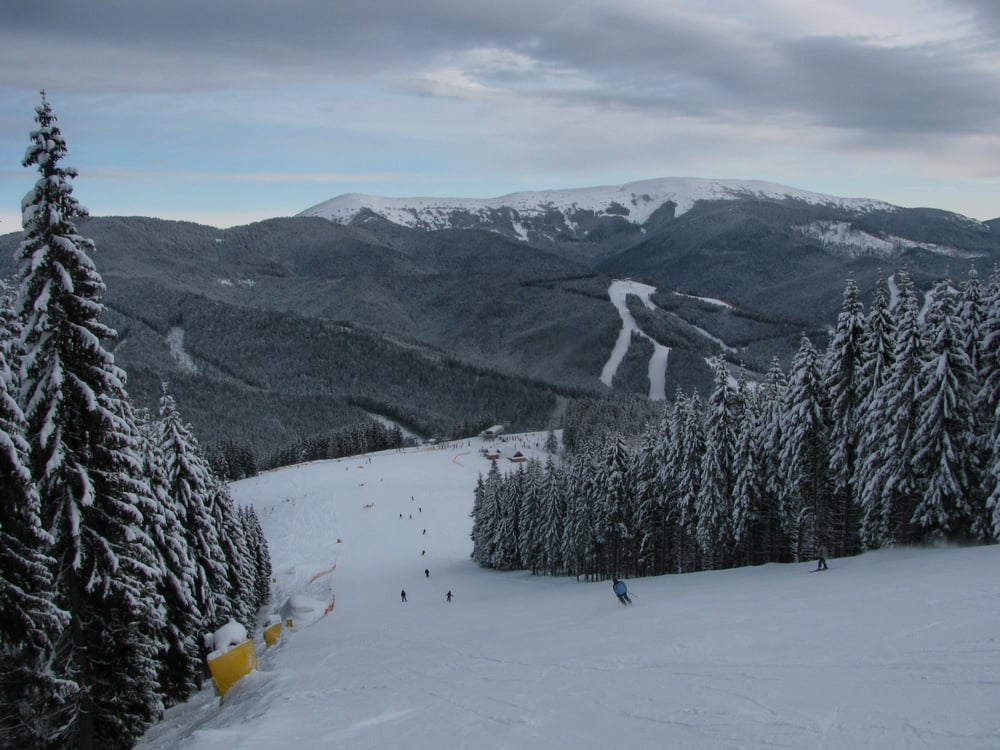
(621, 591)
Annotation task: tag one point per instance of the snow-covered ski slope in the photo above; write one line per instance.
(641, 199)
(895, 649)
(618, 291)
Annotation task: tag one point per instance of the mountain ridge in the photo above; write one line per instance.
(292, 326)
(635, 201)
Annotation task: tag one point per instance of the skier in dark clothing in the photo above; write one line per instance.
(427, 573)
(621, 591)
(448, 596)
(821, 562)
(402, 595)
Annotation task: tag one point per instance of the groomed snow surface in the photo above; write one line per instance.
(895, 649)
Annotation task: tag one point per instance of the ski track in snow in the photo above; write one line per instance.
(618, 291)
(890, 650)
(175, 345)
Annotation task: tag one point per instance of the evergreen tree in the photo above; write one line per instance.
(530, 527)
(691, 442)
(235, 550)
(971, 318)
(551, 443)
(715, 492)
(842, 377)
(190, 484)
(877, 363)
(506, 535)
(652, 517)
(259, 554)
(769, 437)
(748, 490)
(180, 665)
(83, 459)
(578, 546)
(31, 696)
(989, 404)
(804, 455)
(613, 501)
(552, 514)
(479, 518)
(944, 438)
(889, 482)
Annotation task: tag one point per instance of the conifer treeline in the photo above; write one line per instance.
(359, 439)
(118, 547)
(891, 437)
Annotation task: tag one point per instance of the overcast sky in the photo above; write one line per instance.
(229, 111)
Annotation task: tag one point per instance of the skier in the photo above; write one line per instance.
(427, 573)
(448, 596)
(402, 595)
(621, 591)
(821, 562)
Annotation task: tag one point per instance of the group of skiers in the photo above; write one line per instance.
(423, 553)
(402, 596)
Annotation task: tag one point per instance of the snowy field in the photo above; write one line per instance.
(896, 649)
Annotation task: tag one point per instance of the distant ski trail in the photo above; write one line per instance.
(618, 291)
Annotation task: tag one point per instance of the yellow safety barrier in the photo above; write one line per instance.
(272, 634)
(233, 665)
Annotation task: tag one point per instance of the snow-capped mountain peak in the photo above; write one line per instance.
(633, 201)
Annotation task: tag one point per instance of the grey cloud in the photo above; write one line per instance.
(924, 89)
(685, 65)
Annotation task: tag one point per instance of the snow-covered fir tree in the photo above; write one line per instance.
(506, 533)
(652, 509)
(691, 441)
(842, 377)
(771, 399)
(530, 527)
(180, 664)
(190, 484)
(31, 695)
(713, 505)
(748, 532)
(805, 436)
(943, 455)
(613, 496)
(236, 554)
(578, 544)
(82, 456)
(988, 403)
(552, 515)
(888, 482)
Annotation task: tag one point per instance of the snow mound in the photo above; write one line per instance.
(227, 637)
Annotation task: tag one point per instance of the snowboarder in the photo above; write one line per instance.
(448, 596)
(402, 595)
(427, 573)
(821, 562)
(621, 591)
